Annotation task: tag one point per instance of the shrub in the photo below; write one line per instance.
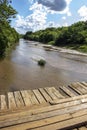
(41, 62)
(51, 42)
(83, 48)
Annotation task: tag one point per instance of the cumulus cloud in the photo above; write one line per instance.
(83, 13)
(56, 5)
(67, 9)
(64, 18)
(33, 22)
(40, 9)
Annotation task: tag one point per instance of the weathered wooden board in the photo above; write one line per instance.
(40, 123)
(3, 102)
(26, 98)
(82, 128)
(44, 109)
(39, 96)
(51, 93)
(84, 83)
(68, 124)
(61, 113)
(67, 91)
(32, 97)
(83, 86)
(75, 89)
(18, 99)
(81, 90)
(34, 117)
(72, 90)
(11, 101)
(57, 93)
(82, 97)
(45, 95)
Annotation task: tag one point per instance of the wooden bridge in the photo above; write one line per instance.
(63, 108)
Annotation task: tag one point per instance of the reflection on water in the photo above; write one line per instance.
(20, 69)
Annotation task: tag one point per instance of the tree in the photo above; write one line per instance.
(6, 11)
(8, 35)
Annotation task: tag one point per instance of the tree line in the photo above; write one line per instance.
(73, 37)
(8, 35)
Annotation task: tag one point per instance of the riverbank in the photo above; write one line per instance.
(62, 50)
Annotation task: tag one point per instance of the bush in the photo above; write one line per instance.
(41, 62)
(83, 48)
(51, 42)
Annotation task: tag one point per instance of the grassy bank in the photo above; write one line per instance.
(72, 37)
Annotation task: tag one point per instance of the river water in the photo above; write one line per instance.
(21, 71)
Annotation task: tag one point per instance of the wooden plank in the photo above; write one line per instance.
(68, 124)
(51, 93)
(18, 99)
(57, 107)
(71, 89)
(79, 113)
(68, 99)
(39, 96)
(28, 118)
(11, 101)
(82, 128)
(67, 91)
(3, 102)
(32, 97)
(39, 123)
(26, 98)
(57, 93)
(45, 95)
(75, 89)
(83, 86)
(84, 83)
(44, 109)
(76, 85)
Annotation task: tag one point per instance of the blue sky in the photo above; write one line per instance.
(34, 15)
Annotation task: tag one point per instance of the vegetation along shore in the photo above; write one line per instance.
(72, 37)
(8, 35)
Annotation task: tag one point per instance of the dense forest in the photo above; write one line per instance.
(73, 37)
(8, 35)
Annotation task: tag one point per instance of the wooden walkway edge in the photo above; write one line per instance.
(45, 108)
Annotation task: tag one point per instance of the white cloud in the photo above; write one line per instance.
(38, 18)
(67, 9)
(64, 18)
(83, 13)
(65, 24)
(56, 11)
(52, 24)
(33, 22)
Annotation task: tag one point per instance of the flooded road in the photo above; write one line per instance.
(21, 71)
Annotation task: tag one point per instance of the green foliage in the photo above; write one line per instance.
(74, 36)
(6, 11)
(83, 48)
(8, 35)
(3, 44)
(51, 42)
(41, 62)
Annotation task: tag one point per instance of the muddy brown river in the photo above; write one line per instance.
(21, 71)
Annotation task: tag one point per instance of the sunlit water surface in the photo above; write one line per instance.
(21, 71)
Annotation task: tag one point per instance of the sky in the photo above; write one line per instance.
(34, 15)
